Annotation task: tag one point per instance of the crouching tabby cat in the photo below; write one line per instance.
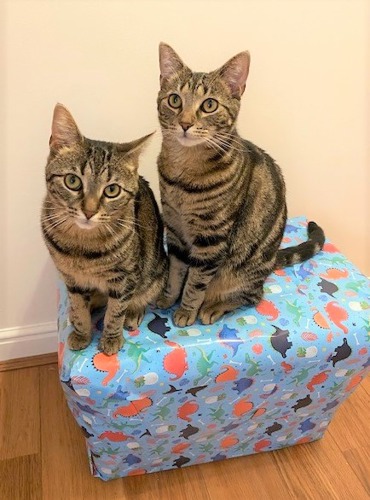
(103, 230)
(223, 197)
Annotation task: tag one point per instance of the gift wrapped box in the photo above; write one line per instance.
(257, 380)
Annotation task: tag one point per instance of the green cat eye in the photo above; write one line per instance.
(72, 182)
(175, 101)
(112, 191)
(209, 105)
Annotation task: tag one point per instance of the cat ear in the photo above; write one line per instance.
(64, 131)
(235, 73)
(133, 150)
(169, 62)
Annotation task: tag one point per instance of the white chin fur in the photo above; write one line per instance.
(189, 141)
(86, 224)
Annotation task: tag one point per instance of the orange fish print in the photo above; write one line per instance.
(318, 379)
(337, 315)
(115, 437)
(334, 274)
(329, 337)
(259, 412)
(241, 407)
(260, 445)
(104, 363)
(136, 472)
(175, 362)
(187, 409)
(330, 248)
(280, 272)
(230, 373)
(355, 380)
(179, 448)
(229, 441)
(267, 308)
(133, 408)
(286, 367)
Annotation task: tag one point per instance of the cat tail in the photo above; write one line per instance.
(304, 251)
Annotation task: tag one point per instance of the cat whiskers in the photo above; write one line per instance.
(128, 223)
(55, 223)
(217, 146)
(229, 141)
(109, 228)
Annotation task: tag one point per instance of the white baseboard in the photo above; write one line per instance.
(30, 340)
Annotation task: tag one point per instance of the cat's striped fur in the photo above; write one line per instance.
(105, 248)
(223, 197)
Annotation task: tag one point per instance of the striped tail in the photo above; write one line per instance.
(304, 251)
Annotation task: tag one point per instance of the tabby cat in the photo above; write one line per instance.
(223, 197)
(103, 230)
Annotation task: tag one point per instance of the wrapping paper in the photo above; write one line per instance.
(257, 380)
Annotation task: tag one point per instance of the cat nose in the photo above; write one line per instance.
(185, 125)
(89, 213)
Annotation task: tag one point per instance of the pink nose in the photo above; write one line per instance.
(89, 213)
(186, 125)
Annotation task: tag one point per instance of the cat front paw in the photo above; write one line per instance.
(209, 315)
(182, 317)
(77, 342)
(112, 345)
(164, 302)
(133, 318)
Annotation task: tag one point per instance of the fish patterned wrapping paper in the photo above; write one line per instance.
(257, 380)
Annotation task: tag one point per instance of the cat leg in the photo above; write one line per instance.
(175, 282)
(211, 312)
(193, 294)
(118, 300)
(133, 317)
(228, 291)
(80, 318)
(112, 338)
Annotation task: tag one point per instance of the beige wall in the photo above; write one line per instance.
(307, 103)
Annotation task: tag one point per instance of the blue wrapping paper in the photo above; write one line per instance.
(257, 380)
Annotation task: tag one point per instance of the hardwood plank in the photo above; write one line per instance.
(350, 424)
(187, 483)
(253, 476)
(359, 460)
(319, 470)
(21, 478)
(28, 362)
(19, 413)
(366, 384)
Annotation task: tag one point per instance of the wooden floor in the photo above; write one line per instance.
(43, 456)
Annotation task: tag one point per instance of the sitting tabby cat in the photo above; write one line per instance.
(103, 230)
(223, 197)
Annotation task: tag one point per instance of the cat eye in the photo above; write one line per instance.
(72, 182)
(209, 105)
(175, 101)
(112, 191)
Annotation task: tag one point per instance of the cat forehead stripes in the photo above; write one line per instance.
(196, 84)
(98, 160)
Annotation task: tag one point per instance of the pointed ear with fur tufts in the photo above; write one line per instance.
(64, 131)
(132, 151)
(235, 73)
(169, 62)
